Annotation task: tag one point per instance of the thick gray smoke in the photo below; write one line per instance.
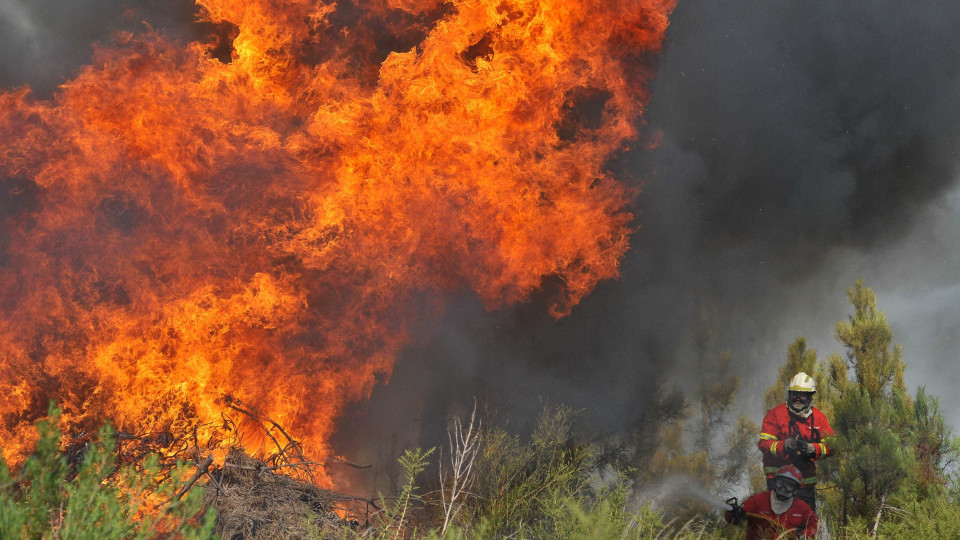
(804, 146)
(807, 146)
(43, 42)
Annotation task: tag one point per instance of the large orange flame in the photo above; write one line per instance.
(256, 231)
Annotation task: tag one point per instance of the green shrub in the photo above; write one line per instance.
(102, 502)
(525, 488)
(931, 515)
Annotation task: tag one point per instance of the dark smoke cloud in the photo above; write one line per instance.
(804, 145)
(44, 42)
(818, 124)
(811, 145)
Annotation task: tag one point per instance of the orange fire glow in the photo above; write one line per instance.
(196, 232)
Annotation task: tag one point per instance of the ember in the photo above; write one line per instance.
(188, 234)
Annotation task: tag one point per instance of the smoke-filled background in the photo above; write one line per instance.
(801, 147)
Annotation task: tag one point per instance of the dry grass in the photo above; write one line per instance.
(254, 502)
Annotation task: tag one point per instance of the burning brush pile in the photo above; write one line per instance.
(254, 499)
(116, 485)
(194, 240)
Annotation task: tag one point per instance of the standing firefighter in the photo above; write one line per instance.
(776, 513)
(796, 433)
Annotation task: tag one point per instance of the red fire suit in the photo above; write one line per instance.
(764, 524)
(778, 426)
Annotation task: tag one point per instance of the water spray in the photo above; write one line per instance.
(709, 498)
(683, 487)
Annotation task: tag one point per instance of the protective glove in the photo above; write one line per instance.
(806, 450)
(790, 446)
(737, 515)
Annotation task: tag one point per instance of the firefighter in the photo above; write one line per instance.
(796, 433)
(776, 513)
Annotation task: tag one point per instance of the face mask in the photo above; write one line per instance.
(784, 488)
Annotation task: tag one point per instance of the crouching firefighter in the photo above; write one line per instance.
(796, 433)
(777, 513)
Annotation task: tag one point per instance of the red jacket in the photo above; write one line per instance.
(779, 425)
(763, 524)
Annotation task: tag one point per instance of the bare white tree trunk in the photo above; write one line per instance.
(876, 522)
(463, 450)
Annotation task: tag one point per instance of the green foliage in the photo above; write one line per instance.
(606, 520)
(871, 459)
(877, 364)
(713, 449)
(524, 488)
(741, 456)
(396, 517)
(29, 502)
(602, 516)
(887, 444)
(889, 448)
(932, 516)
(933, 444)
(103, 501)
(551, 487)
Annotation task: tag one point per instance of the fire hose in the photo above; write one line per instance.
(735, 508)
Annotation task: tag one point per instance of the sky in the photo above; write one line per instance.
(802, 147)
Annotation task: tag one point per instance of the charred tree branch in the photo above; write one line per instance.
(201, 470)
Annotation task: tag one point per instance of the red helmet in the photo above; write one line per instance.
(791, 472)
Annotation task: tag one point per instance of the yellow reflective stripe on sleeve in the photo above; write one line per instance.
(768, 437)
(823, 449)
(773, 448)
(810, 480)
(770, 470)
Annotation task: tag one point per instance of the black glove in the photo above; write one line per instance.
(737, 515)
(806, 450)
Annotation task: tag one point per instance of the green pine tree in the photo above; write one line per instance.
(888, 445)
(870, 460)
(877, 364)
(101, 500)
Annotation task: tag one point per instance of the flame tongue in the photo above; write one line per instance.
(255, 230)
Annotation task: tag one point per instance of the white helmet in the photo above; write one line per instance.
(800, 394)
(801, 382)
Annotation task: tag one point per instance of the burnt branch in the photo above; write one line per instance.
(202, 469)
